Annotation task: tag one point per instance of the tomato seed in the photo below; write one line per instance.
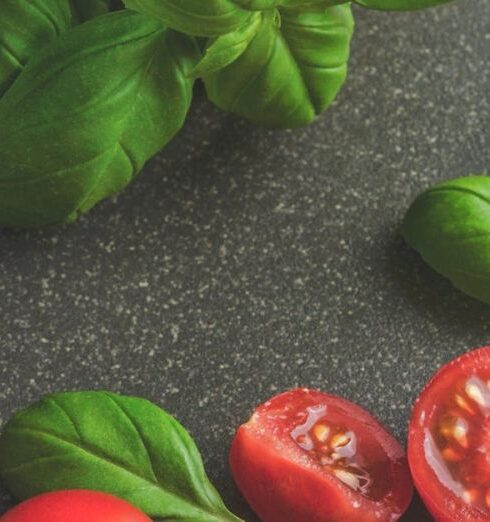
(463, 404)
(347, 478)
(451, 455)
(455, 429)
(339, 440)
(470, 495)
(475, 390)
(321, 432)
(460, 431)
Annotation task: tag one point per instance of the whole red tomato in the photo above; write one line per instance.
(74, 506)
(449, 440)
(306, 456)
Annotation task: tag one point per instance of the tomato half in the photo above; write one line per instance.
(74, 506)
(306, 456)
(449, 440)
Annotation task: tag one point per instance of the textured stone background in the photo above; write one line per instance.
(244, 262)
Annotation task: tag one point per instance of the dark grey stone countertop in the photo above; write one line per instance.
(244, 262)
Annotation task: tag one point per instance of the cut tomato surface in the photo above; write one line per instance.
(449, 440)
(310, 456)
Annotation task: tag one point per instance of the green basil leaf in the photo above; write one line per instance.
(25, 27)
(121, 445)
(291, 71)
(449, 225)
(227, 48)
(399, 5)
(195, 17)
(87, 113)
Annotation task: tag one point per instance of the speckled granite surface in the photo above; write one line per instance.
(244, 262)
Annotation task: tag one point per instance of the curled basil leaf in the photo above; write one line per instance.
(125, 446)
(291, 70)
(25, 27)
(195, 17)
(87, 113)
(399, 5)
(449, 225)
(225, 49)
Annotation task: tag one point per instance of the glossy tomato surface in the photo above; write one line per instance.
(449, 440)
(74, 506)
(306, 456)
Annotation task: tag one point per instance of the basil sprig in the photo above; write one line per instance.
(125, 446)
(87, 95)
(449, 225)
(278, 63)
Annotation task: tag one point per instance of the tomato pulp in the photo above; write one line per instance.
(309, 456)
(74, 506)
(449, 440)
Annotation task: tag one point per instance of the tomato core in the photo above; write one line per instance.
(457, 443)
(333, 447)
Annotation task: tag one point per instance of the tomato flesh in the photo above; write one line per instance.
(306, 455)
(74, 506)
(449, 440)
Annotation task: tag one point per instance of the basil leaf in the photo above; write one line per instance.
(291, 71)
(195, 17)
(399, 5)
(87, 113)
(121, 445)
(225, 49)
(449, 225)
(25, 27)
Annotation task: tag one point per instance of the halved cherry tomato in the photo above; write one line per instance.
(306, 456)
(449, 440)
(74, 506)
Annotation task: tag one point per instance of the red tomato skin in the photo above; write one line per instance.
(74, 506)
(443, 505)
(279, 489)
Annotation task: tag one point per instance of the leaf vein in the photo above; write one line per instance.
(466, 190)
(52, 400)
(137, 430)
